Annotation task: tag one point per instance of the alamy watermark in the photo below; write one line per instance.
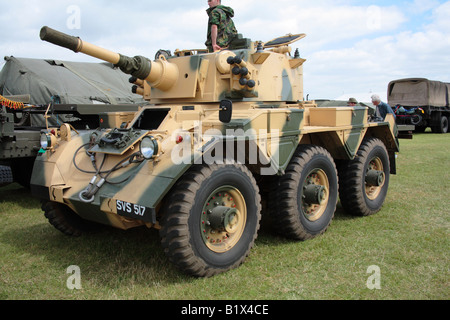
(74, 280)
(374, 280)
(74, 19)
(373, 20)
(253, 147)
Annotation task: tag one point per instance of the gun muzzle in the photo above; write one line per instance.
(60, 39)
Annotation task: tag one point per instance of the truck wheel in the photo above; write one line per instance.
(307, 194)
(365, 179)
(6, 176)
(440, 123)
(65, 220)
(211, 219)
(444, 124)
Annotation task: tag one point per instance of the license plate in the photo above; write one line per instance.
(132, 210)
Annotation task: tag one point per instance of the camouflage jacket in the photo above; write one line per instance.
(221, 16)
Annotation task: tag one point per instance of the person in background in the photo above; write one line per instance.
(382, 107)
(352, 102)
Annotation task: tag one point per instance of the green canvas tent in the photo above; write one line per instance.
(66, 82)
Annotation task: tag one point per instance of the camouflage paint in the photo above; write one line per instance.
(272, 116)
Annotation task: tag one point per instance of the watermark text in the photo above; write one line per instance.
(74, 280)
(73, 21)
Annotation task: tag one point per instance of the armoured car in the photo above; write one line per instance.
(226, 138)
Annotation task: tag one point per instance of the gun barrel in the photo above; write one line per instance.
(77, 45)
(161, 74)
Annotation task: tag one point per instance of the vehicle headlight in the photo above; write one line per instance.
(46, 141)
(149, 147)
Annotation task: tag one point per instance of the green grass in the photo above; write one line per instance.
(408, 240)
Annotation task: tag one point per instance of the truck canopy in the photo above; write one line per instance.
(66, 82)
(415, 92)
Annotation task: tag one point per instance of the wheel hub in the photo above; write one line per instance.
(314, 194)
(224, 216)
(224, 219)
(375, 178)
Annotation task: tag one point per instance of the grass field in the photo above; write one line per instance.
(408, 240)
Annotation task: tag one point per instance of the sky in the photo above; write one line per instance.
(353, 48)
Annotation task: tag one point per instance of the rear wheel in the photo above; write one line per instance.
(211, 219)
(440, 123)
(306, 196)
(365, 180)
(444, 124)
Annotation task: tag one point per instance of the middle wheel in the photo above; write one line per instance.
(307, 194)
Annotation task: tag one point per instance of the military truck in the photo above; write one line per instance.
(37, 93)
(226, 134)
(421, 102)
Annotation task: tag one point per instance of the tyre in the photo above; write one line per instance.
(211, 219)
(6, 176)
(441, 123)
(307, 194)
(65, 220)
(416, 119)
(444, 124)
(365, 180)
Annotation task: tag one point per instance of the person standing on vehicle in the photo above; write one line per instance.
(382, 107)
(221, 28)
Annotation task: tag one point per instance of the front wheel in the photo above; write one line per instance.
(211, 219)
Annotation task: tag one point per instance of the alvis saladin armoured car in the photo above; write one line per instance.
(224, 135)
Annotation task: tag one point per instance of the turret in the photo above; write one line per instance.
(255, 72)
